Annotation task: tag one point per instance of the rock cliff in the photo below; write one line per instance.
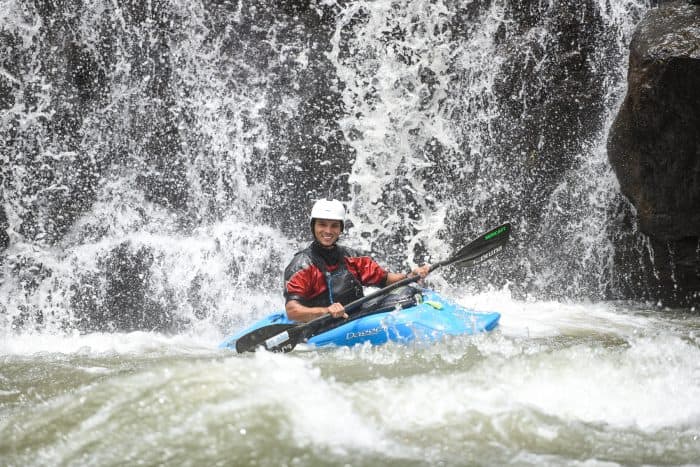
(654, 146)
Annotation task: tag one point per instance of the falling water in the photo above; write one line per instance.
(158, 163)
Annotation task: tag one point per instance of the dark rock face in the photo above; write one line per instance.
(654, 146)
(4, 238)
(563, 98)
(118, 297)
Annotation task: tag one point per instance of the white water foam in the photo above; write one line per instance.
(320, 411)
(537, 318)
(107, 344)
(651, 385)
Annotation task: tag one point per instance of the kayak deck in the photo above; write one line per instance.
(433, 318)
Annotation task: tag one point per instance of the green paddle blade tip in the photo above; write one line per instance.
(496, 232)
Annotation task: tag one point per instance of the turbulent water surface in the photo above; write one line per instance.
(158, 161)
(555, 384)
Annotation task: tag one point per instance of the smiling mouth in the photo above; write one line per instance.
(326, 237)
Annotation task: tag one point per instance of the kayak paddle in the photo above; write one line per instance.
(284, 337)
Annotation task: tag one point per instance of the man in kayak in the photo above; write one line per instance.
(325, 276)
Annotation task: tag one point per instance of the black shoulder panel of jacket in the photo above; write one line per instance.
(302, 260)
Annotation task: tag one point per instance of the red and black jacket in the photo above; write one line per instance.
(307, 276)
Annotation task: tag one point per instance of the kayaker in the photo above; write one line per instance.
(307, 277)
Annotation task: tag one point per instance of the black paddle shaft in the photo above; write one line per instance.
(284, 337)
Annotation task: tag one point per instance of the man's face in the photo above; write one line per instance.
(327, 231)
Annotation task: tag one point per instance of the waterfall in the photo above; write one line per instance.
(159, 158)
(463, 116)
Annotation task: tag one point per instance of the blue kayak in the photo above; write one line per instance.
(412, 314)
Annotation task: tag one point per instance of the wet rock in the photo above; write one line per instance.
(313, 159)
(654, 146)
(550, 94)
(4, 237)
(67, 76)
(59, 80)
(119, 296)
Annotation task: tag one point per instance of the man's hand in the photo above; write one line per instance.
(337, 310)
(421, 271)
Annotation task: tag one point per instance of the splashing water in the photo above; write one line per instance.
(158, 162)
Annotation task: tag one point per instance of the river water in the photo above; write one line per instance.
(596, 384)
(159, 159)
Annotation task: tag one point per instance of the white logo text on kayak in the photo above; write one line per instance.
(365, 333)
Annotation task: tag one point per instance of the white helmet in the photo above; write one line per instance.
(328, 209)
